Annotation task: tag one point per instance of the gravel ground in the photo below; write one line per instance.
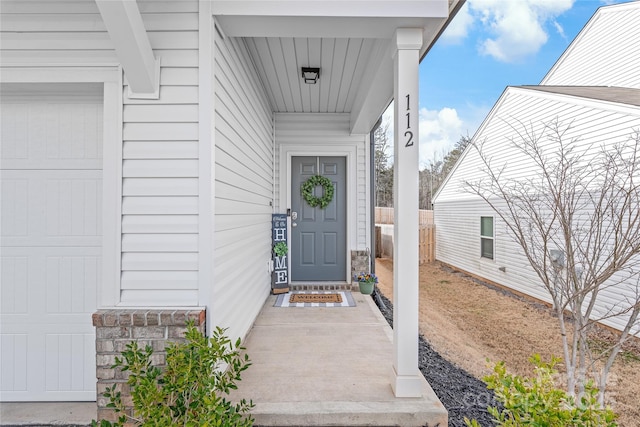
(459, 392)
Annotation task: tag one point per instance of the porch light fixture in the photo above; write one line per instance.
(310, 75)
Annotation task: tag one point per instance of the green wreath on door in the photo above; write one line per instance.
(327, 194)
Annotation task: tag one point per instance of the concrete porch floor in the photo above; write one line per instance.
(311, 367)
(329, 367)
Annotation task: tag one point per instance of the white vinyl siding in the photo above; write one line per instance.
(591, 122)
(304, 133)
(457, 212)
(44, 33)
(72, 33)
(160, 137)
(458, 244)
(605, 53)
(243, 189)
(160, 167)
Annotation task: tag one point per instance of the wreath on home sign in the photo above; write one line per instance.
(327, 194)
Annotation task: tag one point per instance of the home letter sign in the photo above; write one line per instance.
(280, 274)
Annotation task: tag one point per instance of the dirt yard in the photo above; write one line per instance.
(468, 322)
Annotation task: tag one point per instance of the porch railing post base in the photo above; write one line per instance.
(406, 385)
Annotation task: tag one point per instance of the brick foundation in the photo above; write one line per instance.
(117, 328)
(321, 287)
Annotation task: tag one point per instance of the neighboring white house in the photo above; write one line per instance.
(145, 146)
(595, 88)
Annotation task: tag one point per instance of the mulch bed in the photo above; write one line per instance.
(462, 394)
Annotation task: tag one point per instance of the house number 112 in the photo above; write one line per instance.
(408, 134)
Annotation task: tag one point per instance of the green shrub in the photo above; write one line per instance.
(188, 390)
(537, 402)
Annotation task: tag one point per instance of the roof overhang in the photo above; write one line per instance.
(329, 18)
(332, 8)
(334, 20)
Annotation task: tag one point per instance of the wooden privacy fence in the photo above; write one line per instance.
(427, 243)
(426, 235)
(385, 216)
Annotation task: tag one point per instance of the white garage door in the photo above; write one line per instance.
(50, 166)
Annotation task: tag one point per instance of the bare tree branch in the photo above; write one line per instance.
(576, 217)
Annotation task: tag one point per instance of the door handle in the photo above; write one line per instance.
(294, 215)
(294, 224)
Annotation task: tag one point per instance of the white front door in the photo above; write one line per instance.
(50, 228)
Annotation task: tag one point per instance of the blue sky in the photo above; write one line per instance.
(490, 44)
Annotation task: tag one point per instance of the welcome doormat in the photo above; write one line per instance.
(315, 299)
(334, 298)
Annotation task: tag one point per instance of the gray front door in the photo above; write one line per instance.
(318, 236)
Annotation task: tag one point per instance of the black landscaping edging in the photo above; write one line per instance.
(461, 394)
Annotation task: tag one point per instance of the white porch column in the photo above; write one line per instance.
(406, 375)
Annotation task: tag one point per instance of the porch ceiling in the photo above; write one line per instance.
(343, 63)
(350, 41)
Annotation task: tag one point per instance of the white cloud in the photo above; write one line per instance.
(517, 28)
(439, 130)
(559, 29)
(459, 27)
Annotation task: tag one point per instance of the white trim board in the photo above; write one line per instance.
(38, 74)
(206, 162)
(349, 151)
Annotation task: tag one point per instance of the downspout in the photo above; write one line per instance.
(372, 195)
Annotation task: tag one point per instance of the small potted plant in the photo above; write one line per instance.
(366, 282)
